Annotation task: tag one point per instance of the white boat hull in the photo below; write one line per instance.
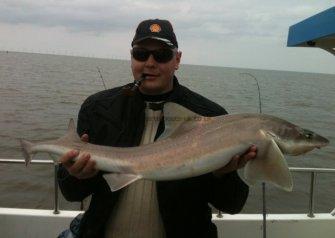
(35, 223)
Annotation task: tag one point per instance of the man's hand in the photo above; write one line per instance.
(82, 168)
(237, 162)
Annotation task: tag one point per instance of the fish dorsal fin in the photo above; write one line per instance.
(178, 120)
(117, 181)
(71, 134)
(269, 166)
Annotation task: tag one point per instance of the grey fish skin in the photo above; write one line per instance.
(193, 145)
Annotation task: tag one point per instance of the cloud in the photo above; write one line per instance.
(193, 18)
(241, 33)
(72, 15)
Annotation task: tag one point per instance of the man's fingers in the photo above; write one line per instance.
(84, 137)
(235, 160)
(81, 168)
(253, 148)
(78, 166)
(89, 170)
(67, 159)
(249, 155)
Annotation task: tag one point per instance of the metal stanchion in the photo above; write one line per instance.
(311, 196)
(332, 212)
(56, 204)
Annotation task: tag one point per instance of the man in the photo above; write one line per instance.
(116, 118)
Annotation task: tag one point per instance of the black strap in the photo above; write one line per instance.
(156, 106)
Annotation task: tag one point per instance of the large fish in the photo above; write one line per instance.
(192, 145)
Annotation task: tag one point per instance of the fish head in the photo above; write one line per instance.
(294, 140)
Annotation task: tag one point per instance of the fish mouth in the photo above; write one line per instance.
(323, 144)
(320, 142)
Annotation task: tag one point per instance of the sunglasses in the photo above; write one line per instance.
(160, 55)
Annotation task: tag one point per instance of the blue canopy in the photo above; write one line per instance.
(315, 31)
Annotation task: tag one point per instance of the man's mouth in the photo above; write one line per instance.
(150, 76)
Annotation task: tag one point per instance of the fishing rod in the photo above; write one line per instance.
(259, 91)
(263, 184)
(103, 81)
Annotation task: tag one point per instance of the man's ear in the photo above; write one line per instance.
(178, 58)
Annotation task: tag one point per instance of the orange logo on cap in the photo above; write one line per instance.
(155, 28)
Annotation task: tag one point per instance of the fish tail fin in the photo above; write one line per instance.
(27, 151)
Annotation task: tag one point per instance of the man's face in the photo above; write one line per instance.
(159, 76)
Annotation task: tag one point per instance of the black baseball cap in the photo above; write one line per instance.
(157, 29)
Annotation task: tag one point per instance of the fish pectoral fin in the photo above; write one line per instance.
(117, 181)
(269, 166)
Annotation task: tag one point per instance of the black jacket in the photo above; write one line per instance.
(112, 118)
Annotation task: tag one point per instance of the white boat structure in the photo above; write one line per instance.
(316, 31)
(38, 223)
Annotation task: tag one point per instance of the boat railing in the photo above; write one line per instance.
(43, 162)
(313, 172)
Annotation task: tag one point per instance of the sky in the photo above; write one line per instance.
(229, 33)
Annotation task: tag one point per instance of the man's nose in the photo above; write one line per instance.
(151, 61)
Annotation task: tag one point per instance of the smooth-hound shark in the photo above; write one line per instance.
(192, 145)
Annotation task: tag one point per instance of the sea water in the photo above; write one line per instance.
(39, 94)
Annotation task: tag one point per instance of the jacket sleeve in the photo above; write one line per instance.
(228, 193)
(74, 189)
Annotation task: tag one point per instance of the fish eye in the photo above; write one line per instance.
(309, 135)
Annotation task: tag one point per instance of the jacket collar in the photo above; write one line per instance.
(176, 93)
